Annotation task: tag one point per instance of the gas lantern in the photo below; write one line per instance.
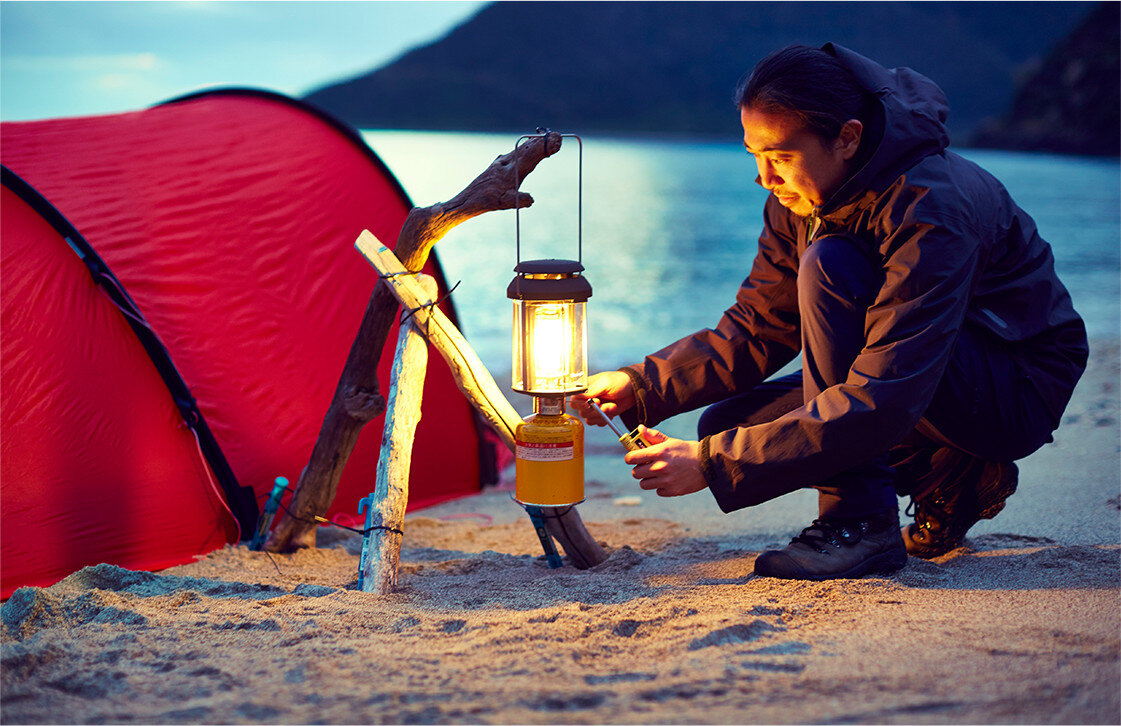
(550, 350)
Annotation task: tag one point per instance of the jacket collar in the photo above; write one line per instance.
(906, 124)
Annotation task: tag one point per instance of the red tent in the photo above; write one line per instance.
(179, 291)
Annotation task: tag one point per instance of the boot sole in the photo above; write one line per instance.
(883, 563)
(921, 551)
(991, 499)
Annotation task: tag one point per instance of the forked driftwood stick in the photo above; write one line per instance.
(469, 373)
(357, 400)
(381, 547)
(563, 523)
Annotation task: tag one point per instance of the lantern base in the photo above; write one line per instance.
(552, 393)
(549, 504)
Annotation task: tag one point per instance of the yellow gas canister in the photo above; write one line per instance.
(549, 456)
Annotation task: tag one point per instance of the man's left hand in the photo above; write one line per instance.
(670, 466)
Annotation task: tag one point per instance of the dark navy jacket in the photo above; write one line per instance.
(955, 250)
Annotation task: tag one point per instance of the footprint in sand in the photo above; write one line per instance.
(792, 648)
(735, 634)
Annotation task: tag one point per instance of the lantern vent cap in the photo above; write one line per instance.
(549, 267)
(549, 280)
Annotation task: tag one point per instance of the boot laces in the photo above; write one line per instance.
(828, 532)
(927, 511)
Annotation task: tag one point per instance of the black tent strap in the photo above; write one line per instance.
(239, 498)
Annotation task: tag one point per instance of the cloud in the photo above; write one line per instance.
(114, 81)
(101, 63)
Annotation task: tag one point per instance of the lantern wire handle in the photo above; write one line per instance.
(541, 134)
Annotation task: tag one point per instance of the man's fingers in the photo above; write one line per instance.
(580, 403)
(646, 471)
(609, 408)
(591, 415)
(642, 456)
(669, 467)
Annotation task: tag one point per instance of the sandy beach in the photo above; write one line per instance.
(1021, 625)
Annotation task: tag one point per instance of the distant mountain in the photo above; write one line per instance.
(1072, 104)
(671, 67)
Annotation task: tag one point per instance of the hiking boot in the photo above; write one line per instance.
(975, 490)
(833, 548)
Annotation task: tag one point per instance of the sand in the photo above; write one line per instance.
(1020, 625)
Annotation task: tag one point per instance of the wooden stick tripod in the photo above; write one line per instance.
(357, 399)
(387, 504)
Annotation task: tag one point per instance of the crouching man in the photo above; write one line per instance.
(938, 345)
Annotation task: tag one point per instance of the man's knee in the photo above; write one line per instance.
(837, 266)
(720, 416)
(764, 403)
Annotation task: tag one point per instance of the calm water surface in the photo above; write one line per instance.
(670, 230)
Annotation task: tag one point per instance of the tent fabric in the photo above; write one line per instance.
(60, 497)
(240, 500)
(229, 218)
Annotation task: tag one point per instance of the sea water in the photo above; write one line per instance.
(667, 231)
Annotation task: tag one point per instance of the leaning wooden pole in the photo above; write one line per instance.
(385, 520)
(562, 523)
(357, 399)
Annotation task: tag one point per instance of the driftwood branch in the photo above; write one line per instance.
(562, 523)
(357, 398)
(385, 520)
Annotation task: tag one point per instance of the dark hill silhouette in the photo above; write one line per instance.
(671, 67)
(1072, 104)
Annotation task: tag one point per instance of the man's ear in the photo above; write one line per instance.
(848, 141)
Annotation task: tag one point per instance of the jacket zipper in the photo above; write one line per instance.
(815, 225)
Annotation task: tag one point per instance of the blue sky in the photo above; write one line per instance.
(82, 58)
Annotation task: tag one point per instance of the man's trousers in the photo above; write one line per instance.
(984, 406)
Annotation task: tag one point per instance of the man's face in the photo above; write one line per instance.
(794, 164)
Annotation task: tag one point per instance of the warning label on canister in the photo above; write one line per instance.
(562, 451)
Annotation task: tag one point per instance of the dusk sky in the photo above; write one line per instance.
(82, 58)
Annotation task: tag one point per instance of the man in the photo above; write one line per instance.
(938, 344)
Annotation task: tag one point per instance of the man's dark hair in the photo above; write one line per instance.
(807, 83)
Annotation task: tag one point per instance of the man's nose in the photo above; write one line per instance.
(767, 176)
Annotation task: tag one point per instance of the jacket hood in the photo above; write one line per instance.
(913, 123)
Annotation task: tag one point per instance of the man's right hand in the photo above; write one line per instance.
(613, 392)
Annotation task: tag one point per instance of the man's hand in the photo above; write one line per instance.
(670, 466)
(613, 391)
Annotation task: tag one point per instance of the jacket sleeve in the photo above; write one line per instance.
(755, 337)
(929, 265)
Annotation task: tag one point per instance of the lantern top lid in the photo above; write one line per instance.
(553, 267)
(549, 280)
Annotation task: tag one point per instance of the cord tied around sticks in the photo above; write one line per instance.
(429, 306)
(412, 311)
(362, 532)
(316, 519)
